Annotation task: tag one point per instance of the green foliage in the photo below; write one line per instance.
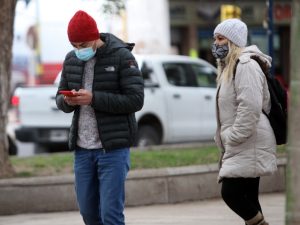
(113, 6)
(41, 165)
(62, 163)
(174, 158)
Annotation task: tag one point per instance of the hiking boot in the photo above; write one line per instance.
(257, 220)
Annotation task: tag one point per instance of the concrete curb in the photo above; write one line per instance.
(143, 187)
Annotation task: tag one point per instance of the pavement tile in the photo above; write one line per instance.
(207, 212)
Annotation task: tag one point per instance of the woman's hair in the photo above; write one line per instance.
(226, 66)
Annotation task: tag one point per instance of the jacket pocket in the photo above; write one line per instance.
(224, 136)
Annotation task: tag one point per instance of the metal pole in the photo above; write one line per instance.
(293, 147)
(270, 32)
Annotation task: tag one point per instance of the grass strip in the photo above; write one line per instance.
(62, 163)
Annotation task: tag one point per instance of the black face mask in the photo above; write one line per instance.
(219, 51)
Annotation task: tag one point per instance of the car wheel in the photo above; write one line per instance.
(12, 149)
(147, 135)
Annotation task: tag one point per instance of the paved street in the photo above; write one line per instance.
(208, 212)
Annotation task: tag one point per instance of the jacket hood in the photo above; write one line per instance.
(254, 51)
(112, 43)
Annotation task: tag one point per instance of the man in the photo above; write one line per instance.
(107, 89)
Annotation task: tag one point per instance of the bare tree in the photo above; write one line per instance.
(293, 171)
(7, 14)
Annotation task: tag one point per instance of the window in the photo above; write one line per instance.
(179, 74)
(205, 76)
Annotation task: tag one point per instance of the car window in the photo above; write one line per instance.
(179, 74)
(205, 76)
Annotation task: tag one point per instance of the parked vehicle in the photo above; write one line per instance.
(179, 105)
(12, 145)
(10, 132)
(179, 100)
(12, 149)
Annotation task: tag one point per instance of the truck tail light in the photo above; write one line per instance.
(14, 112)
(15, 100)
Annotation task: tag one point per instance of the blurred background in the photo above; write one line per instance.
(182, 27)
(171, 36)
(163, 27)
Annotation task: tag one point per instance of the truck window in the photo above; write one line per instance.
(205, 76)
(179, 74)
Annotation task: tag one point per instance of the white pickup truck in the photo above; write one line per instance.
(179, 105)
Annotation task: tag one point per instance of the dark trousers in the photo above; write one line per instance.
(241, 195)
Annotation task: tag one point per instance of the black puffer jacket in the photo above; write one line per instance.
(118, 92)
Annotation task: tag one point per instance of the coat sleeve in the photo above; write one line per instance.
(60, 102)
(248, 84)
(131, 96)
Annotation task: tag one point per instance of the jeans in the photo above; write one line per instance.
(241, 195)
(100, 185)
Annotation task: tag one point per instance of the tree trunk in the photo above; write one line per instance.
(293, 170)
(7, 14)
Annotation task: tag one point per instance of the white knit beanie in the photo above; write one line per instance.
(234, 30)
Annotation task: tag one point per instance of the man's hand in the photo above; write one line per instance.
(82, 97)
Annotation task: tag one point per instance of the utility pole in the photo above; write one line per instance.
(293, 147)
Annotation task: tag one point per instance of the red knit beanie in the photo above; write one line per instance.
(82, 28)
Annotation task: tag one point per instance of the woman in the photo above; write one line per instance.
(244, 133)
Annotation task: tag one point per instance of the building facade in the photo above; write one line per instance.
(193, 21)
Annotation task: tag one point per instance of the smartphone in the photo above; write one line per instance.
(67, 93)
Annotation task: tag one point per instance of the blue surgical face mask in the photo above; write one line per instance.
(219, 51)
(85, 54)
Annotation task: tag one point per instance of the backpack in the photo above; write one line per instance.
(278, 96)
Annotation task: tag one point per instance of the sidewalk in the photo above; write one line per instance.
(208, 212)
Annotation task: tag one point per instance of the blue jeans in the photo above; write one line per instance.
(100, 184)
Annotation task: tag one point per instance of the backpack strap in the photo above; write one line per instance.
(234, 69)
(264, 67)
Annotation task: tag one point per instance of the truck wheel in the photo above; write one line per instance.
(12, 149)
(147, 135)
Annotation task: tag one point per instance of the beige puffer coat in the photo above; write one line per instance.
(244, 133)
